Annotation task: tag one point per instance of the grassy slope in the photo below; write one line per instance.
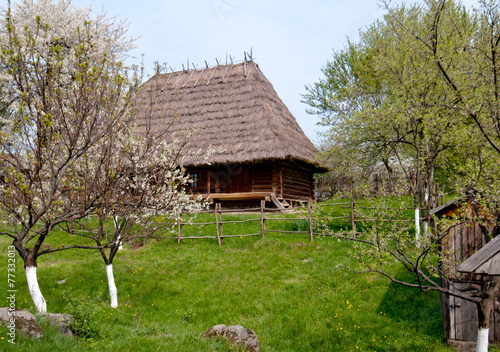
(285, 288)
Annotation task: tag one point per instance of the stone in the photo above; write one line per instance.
(236, 334)
(61, 321)
(24, 322)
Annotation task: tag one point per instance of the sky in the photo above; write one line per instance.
(291, 40)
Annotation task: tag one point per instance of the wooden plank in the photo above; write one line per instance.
(445, 308)
(453, 251)
(296, 191)
(277, 202)
(220, 221)
(281, 231)
(281, 182)
(311, 237)
(287, 219)
(494, 268)
(179, 230)
(238, 221)
(236, 211)
(481, 256)
(262, 218)
(199, 237)
(332, 204)
(465, 317)
(237, 196)
(490, 267)
(353, 220)
(297, 183)
(453, 333)
(217, 224)
(294, 196)
(247, 235)
(198, 223)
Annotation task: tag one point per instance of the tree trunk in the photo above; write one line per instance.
(484, 309)
(482, 340)
(417, 225)
(113, 292)
(483, 312)
(34, 289)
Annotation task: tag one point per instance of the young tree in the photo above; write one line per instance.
(388, 248)
(142, 193)
(71, 92)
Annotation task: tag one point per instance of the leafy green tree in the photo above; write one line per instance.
(422, 87)
(378, 98)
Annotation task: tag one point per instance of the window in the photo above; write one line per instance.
(194, 180)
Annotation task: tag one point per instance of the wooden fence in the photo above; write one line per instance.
(266, 214)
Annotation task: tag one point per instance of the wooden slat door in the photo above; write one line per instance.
(463, 318)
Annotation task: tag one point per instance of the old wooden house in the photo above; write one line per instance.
(464, 239)
(232, 112)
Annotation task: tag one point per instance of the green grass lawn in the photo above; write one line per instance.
(289, 290)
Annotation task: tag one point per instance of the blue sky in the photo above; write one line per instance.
(291, 40)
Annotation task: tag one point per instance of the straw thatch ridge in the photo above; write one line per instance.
(232, 109)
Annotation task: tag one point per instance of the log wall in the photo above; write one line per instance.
(286, 179)
(297, 181)
(262, 177)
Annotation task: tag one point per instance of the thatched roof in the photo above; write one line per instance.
(231, 108)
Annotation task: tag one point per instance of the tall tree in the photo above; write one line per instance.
(424, 86)
(378, 98)
(464, 49)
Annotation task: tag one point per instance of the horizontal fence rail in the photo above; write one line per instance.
(304, 213)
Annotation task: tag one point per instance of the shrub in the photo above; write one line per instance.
(85, 324)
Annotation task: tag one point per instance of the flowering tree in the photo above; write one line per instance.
(142, 193)
(71, 150)
(70, 92)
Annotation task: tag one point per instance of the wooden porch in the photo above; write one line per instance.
(280, 203)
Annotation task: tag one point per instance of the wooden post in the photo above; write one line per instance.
(311, 234)
(179, 228)
(217, 223)
(262, 218)
(220, 225)
(353, 218)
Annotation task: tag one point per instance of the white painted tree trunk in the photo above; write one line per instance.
(34, 289)
(417, 224)
(113, 292)
(482, 340)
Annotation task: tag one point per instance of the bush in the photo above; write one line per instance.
(85, 324)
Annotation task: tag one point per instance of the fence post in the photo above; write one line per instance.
(353, 218)
(217, 224)
(179, 230)
(262, 218)
(309, 206)
(220, 224)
